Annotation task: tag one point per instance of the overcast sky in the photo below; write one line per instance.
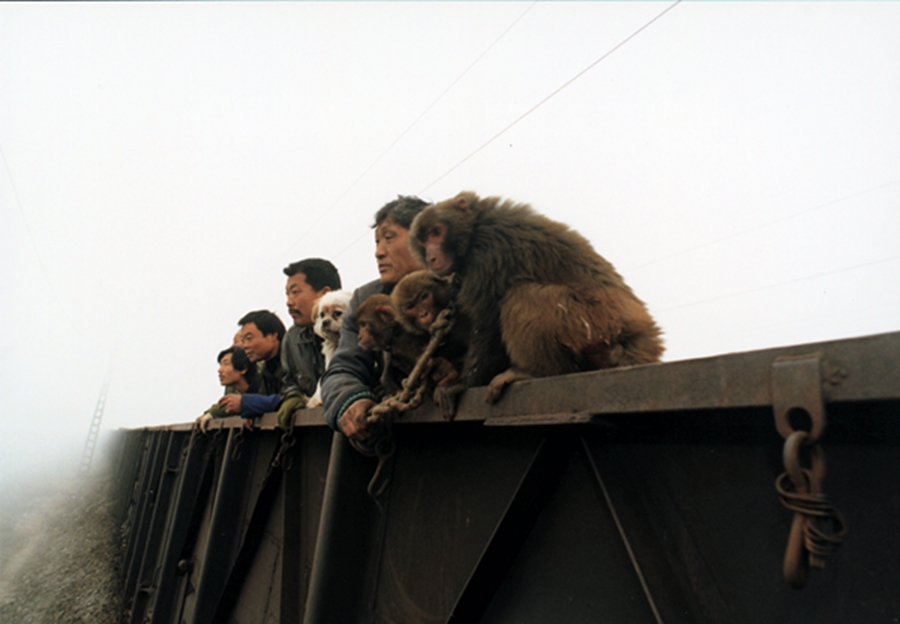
(739, 164)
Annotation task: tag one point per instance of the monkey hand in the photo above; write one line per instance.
(442, 371)
(353, 422)
(289, 405)
(446, 398)
(498, 383)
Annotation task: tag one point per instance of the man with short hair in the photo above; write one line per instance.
(261, 335)
(301, 352)
(347, 384)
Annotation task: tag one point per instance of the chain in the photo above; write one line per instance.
(282, 458)
(411, 395)
(413, 392)
(818, 527)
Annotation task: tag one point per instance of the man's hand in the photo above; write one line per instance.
(289, 405)
(353, 422)
(231, 403)
(203, 421)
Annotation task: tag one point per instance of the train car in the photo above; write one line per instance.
(681, 492)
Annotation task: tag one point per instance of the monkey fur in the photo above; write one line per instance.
(540, 300)
(419, 298)
(380, 330)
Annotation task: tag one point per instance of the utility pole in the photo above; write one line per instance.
(87, 457)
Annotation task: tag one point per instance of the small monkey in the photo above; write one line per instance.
(380, 330)
(419, 298)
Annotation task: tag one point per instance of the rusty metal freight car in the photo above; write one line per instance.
(635, 495)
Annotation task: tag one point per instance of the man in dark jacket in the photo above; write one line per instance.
(261, 335)
(347, 384)
(301, 351)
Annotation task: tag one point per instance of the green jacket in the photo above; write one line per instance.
(218, 412)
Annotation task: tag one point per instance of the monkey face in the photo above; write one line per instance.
(365, 338)
(437, 255)
(376, 322)
(421, 310)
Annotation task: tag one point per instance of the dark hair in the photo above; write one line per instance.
(240, 362)
(265, 321)
(402, 210)
(318, 272)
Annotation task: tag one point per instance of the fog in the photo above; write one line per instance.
(162, 162)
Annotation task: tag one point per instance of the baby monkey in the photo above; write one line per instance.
(380, 330)
(420, 297)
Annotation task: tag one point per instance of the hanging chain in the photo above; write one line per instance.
(409, 397)
(818, 527)
(282, 457)
(413, 391)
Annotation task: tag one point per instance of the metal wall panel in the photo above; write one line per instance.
(639, 495)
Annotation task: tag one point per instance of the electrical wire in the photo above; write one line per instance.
(763, 225)
(785, 283)
(552, 94)
(329, 211)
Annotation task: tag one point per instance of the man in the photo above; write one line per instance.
(347, 384)
(301, 351)
(261, 335)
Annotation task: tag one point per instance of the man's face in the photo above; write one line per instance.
(257, 346)
(392, 252)
(227, 375)
(300, 299)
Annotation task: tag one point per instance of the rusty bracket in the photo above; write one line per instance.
(796, 385)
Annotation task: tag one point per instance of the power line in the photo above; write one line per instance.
(328, 211)
(520, 118)
(764, 225)
(785, 283)
(546, 99)
(355, 240)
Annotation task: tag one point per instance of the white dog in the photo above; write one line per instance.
(329, 312)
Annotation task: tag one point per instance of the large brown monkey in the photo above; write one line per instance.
(541, 301)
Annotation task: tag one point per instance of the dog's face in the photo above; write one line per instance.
(329, 312)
